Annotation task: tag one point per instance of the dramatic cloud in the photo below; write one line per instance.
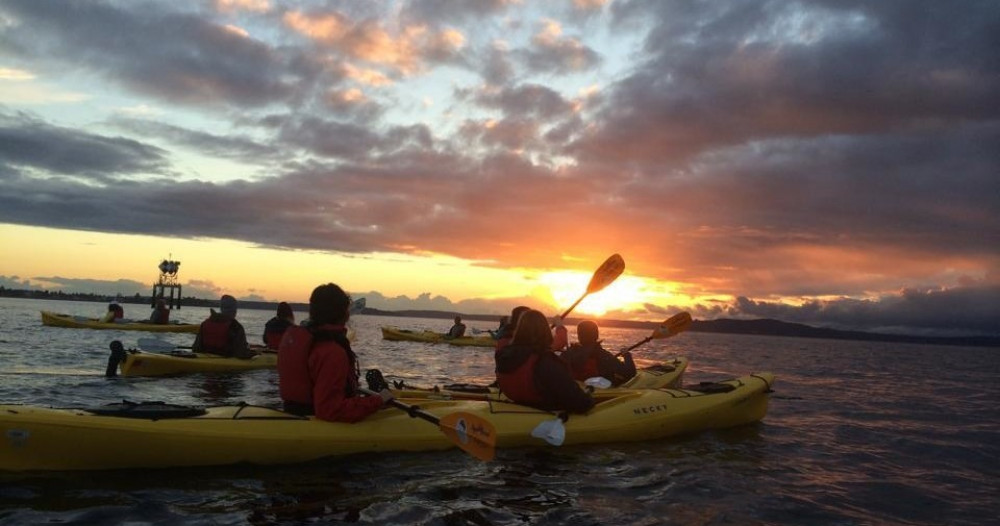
(825, 162)
(31, 144)
(175, 56)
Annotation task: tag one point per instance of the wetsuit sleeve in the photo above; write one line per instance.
(558, 387)
(330, 369)
(614, 369)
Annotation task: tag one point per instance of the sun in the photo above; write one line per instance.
(626, 293)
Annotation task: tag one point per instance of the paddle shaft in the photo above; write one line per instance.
(674, 325)
(573, 306)
(603, 276)
(411, 410)
(643, 342)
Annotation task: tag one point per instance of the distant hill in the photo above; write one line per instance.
(767, 327)
(781, 328)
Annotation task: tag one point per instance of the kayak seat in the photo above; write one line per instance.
(711, 387)
(467, 388)
(660, 368)
(146, 410)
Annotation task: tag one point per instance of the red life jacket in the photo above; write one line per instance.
(294, 381)
(161, 316)
(503, 342)
(119, 312)
(274, 329)
(215, 334)
(273, 339)
(519, 384)
(586, 369)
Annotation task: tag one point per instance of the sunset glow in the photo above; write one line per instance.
(813, 162)
(627, 293)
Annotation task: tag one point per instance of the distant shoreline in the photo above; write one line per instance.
(763, 327)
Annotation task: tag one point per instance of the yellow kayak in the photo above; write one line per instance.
(52, 319)
(398, 335)
(667, 374)
(38, 438)
(139, 363)
(170, 360)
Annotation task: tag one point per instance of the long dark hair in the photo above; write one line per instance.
(329, 304)
(533, 329)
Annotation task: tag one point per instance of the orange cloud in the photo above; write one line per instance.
(367, 40)
(257, 6)
(367, 76)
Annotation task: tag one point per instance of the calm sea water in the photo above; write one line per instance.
(858, 433)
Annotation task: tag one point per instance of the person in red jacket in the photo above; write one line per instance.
(115, 314)
(221, 334)
(318, 372)
(588, 358)
(529, 373)
(160, 314)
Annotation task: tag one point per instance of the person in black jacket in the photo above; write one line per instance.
(529, 373)
(588, 358)
(275, 328)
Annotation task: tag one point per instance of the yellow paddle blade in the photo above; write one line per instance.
(476, 436)
(606, 273)
(676, 324)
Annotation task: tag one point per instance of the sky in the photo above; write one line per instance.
(835, 163)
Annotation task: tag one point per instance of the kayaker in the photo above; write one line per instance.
(318, 372)
(457, 330)
(115, 312)
(507, 334)
(496, 334)
(529, 373)
(587, 358)
(221, 334)
(160, 314)
(275, 328)
(560, 336)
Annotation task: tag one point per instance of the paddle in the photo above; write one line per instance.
(603, 276)
(672, 326)
(552, 431)
(474, 435)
